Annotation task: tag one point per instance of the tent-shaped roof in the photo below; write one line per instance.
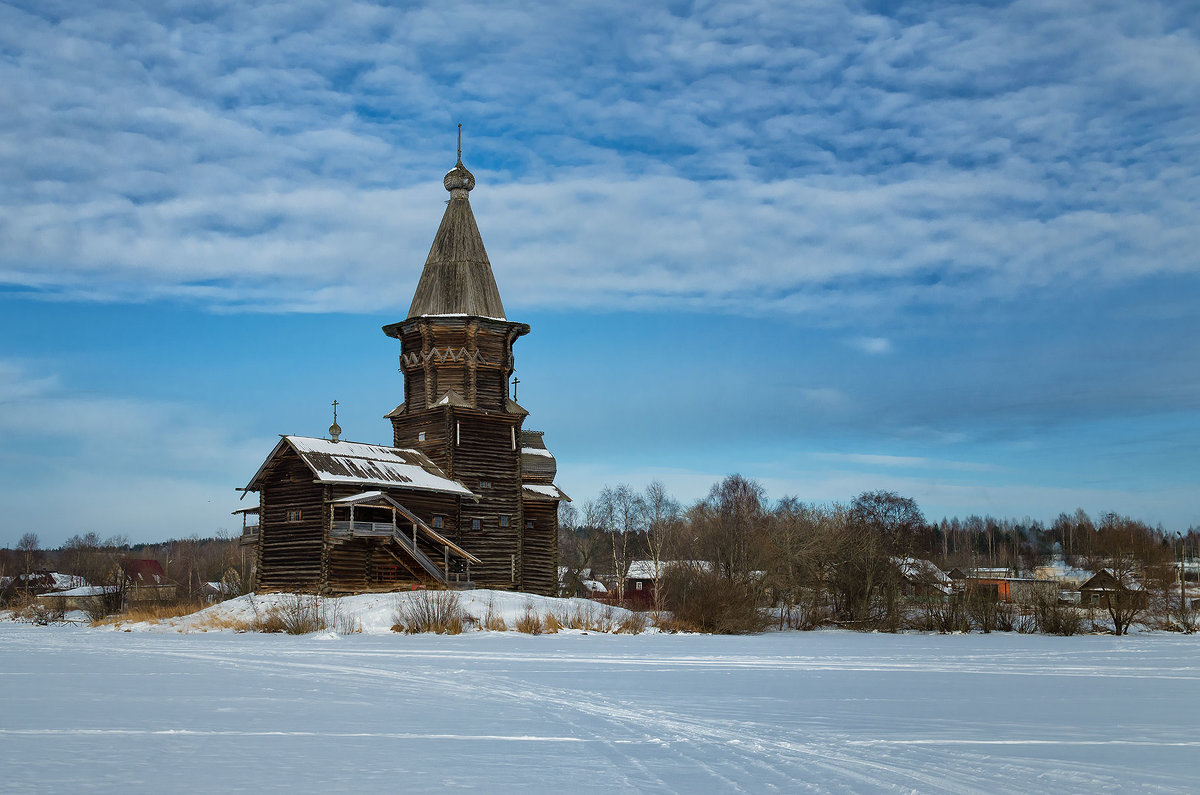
(366, 465)
(457, 279)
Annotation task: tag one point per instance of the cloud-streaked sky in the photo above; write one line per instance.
(946, 249)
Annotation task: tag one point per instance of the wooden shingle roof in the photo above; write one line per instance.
(457, 279)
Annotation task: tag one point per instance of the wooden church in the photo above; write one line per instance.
(464, 497)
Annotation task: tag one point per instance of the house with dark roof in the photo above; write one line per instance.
(1104, 589)
(465, 494)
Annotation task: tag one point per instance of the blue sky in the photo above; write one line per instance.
(945, 249)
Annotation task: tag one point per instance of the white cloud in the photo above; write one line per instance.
(813, 160)
(873, 345)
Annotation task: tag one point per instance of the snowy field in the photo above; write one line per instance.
(833, 711)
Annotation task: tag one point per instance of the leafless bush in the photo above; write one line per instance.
(551, 623)
(438, 611)
(42, 614)
(703, 601)
(297, 614)
(1008, 618)
(1055, 618)
(346, 624)
(947, 615)
(1185, 619)
(983, 610)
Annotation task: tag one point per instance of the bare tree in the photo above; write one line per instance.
(29, 549)
(622, 514)
(662, 517)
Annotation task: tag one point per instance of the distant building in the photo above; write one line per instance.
(1105, 588)
(145, 581)
(464, 496)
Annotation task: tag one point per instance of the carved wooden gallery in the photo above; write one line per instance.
(465, 496)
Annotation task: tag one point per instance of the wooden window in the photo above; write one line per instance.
(293, 514)
(421, 436)
(438, 523)
(637, 585)
(529, 525)
(504, 521)
(485, 484)
(474, 524)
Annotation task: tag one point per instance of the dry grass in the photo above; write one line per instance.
(298, 614)
(440, 612)
(530, 623)
(492, 621)
(665, 622)
(495, 623)
(150, 613)
(591, 618)
(632, 624)
(216, 622)
(551, 623)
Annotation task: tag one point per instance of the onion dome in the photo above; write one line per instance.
(458, 178)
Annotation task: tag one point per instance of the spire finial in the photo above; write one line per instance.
(335, 430)
(459, 181)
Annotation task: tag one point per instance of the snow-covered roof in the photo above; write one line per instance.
(646, 570)
(594, 586)
(918, 569)
(367, 465)
(1105, 579)
(65, 581)
(88, 590)
(536, 451)
(546, 490)
(362, 496)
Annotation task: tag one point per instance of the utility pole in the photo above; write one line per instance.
(1182, 590)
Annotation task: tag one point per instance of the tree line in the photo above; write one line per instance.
(189, 562)
(736, 552)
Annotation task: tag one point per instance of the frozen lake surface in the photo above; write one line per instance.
(93, 710)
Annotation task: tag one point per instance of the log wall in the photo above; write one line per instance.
(290, 553)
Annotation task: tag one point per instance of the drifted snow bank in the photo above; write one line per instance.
(375, 614)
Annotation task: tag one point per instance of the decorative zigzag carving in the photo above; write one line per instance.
(441, 356)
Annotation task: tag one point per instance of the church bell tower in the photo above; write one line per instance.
(456, 355)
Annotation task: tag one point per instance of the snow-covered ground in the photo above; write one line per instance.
(376, 614)
(89, 709)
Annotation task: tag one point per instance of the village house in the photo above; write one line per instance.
(1105, 588)
(465, 494)
(922, 578)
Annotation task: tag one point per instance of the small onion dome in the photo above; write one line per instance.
(335, 431)
(459, 178)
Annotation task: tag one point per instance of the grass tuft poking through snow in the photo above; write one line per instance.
(409, 612)
(530, 622)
